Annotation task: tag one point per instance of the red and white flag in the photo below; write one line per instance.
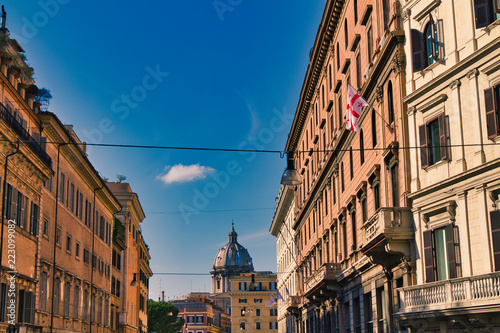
(354, 105)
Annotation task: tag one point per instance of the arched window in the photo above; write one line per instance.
(351, 163)
(374, 128)
(361, 147)
(390, 103)
(342, 176)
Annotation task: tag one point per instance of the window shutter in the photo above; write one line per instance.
(424, 151)
(497, 6)
(483, 11)
(442, 137)
(28, 307)
(417, 49)
(433, 38)
(495, 236)
(428, 257)
(450, 249)
(491, 112)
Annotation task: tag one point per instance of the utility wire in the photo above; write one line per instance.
(281, 152)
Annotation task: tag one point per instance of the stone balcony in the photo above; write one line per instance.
(323, 283)
(388, 235)
(292, 304)
(470, 294)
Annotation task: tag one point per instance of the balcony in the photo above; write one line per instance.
(481, 292)
(292, 305)
(323, 283)
(28, 140)
(388, 234)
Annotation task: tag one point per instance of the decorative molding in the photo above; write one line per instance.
(380, 94)
(491, 68)
(411, 110)
(424, 12)
(455, 84)
(433, 102)
(472, 73)
(399, 62)
(406, 14)
(452, 209)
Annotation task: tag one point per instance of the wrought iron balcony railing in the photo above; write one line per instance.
(34, 145)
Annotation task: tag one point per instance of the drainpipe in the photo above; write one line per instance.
(3, 198)
(54, 243)
(92, 260)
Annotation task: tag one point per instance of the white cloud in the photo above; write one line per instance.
(184, 173)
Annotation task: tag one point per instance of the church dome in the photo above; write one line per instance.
(233, 256)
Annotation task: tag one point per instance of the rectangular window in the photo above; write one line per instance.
(354, 230)
(486, 12)
(57, 295)
(43, 292)
(76, 302)
(26, 307)
(67, 291)
(376, 195)
(273, 325)
(88, 213)
(492, 107)
(191, 319)
(58, 237)
(62, 187)
(257, 312)
(199, 319)
(273, 312)
(439, 254)
(77, 250)
(242, 300)
(495, 236)
(394, 185)
(85, 305)
(272, 285)
(34, 216)
(46, 228)
(257, 300)
(48, 184)
(257, 325)
(433, 141)
(368, 312)
(68, 243)
(243, 286)
(71, 196)
(86, 256)
(102, 227)
(383, 325)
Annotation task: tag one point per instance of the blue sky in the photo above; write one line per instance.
(215, 74)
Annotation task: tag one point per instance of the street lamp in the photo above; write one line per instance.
(134, 281)
(291, 176)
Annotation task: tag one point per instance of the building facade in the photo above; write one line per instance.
(25, 168)
(58, 245)
(251, 308)
(232, 259)
(452, 84)
(282, 229)
(202, 315)
(354, 231)
(135, 271)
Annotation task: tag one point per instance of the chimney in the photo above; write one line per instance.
(163, 296)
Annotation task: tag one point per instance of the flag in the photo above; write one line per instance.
(354, 105)
(279, 296)
(287, 292)
(271, 301)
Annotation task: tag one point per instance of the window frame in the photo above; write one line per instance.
(492, 110)
(426, 145)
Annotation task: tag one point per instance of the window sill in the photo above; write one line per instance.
(431, 67)
(436, 165)
(496, 139)
(491, 26)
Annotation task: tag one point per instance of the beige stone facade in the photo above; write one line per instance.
(453, 110)
(282, 229)
(250, 310)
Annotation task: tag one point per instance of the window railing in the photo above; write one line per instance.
(34, 145)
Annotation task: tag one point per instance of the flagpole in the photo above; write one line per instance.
(387, 124)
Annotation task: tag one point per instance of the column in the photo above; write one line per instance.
(463, 227)
(476, 133)
(456, 129)
(414, 153)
